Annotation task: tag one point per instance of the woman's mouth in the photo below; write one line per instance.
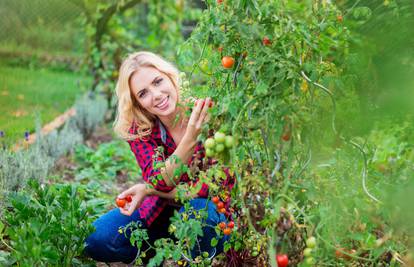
(164, 104)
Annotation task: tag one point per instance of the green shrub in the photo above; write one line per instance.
(47, 224)
(90, 111)
(109, 160)
(36, 161)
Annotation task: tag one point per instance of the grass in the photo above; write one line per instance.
(26, 92)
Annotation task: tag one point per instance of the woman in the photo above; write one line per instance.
(151, 115)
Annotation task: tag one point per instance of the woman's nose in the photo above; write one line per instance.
(157, 94)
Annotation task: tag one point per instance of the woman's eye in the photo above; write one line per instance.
(142, 93)
(157, 82)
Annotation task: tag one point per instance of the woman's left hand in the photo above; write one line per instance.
(137, 192)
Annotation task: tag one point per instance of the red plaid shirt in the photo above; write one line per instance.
(146, 151)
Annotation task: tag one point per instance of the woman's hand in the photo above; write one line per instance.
(138, 192)
(198, 117)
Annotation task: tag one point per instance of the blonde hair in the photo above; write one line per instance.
(129, 112)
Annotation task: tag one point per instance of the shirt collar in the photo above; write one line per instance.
(158, 132)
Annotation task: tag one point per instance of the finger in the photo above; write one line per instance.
(129, 191)
(196, 112)
(204, 113)
(129, 209)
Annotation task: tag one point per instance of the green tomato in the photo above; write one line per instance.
(204, 65)
(229, 141)
(219, 148)
(219, 137)
(307, 252)
(205, 254)
(209, 152)
(210, 143)
(310, 261)
(311, 242)
(255, 253)
(186, 84)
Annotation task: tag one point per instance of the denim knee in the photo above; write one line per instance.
(209, 233)
(107, 244)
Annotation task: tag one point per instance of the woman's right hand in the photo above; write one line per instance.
(138, 192)
(198, 117)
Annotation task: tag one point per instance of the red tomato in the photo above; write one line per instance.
(227, 231)
(282, 260)
(223, 210)
(286, 137)
(220, 205)
(120, 202)
(339, 254)
(230, 224)
(219, 1)
(222, 225)
(128, 198)
(266, 41)
(227, 62)
(220, 49)
(340, 18)
(215, 200)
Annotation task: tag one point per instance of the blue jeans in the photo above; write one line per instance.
(106, 244)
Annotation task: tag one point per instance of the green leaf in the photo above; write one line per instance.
(1, 228)
(261, 88)
(214, 242)
(237, 246)
(227, 246)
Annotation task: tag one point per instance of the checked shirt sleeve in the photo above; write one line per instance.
(203, 191)
(145, 153)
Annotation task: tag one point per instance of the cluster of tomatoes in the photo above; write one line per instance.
(310, 245)
(226, 228)
(218, 144)
(121, 202)
(219, 205)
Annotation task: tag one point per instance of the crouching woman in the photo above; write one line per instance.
(151, 118)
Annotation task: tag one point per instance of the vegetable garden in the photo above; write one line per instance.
(312, 115)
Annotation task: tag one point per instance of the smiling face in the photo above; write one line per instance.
(154, 91)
